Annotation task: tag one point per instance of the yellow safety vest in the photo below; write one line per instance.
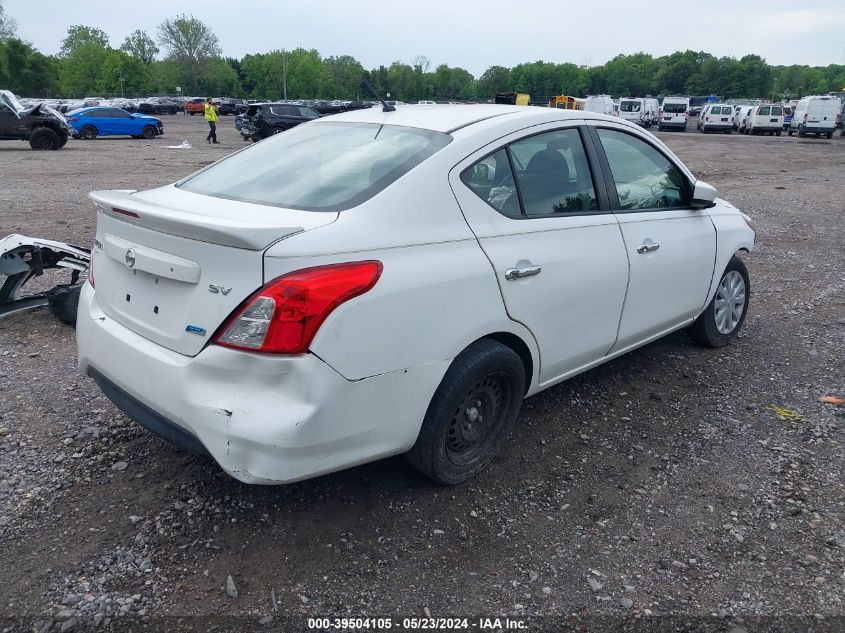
(210, 112)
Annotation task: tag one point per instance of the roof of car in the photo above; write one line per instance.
(448, 118)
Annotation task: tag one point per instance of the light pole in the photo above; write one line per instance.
(284, 75)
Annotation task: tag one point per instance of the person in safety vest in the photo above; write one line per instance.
(211, 117)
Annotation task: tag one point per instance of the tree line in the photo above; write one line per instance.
(184, 52)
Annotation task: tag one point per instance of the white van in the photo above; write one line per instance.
(674, 114)
(815, 115)
(652, 111)
(741, 118)
(765, 119)
(633, 110)
(602, 104)
(717, 117)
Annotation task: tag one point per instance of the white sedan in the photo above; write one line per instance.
(376, 283)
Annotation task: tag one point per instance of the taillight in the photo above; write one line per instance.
(73, 118)
(284, 316)
(707, 118)
(805, 116)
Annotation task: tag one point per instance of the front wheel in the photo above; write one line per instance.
(471, 413)
(149, 132)
(724, 315)
(44, 139)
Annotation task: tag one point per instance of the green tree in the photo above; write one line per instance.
(140, 45)
(494, 80)
(82, 69)
(191, 46)
(25, 71)
(8, 25)
(79, 36)
(345, 72)
(131, 69)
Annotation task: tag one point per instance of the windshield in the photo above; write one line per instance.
(12, 101)
(629, 106)
(323, 167)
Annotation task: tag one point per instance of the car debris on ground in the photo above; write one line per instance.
(23, 258)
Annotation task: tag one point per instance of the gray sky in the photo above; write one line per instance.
(474, 34)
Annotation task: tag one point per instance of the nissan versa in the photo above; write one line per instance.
(376, 283)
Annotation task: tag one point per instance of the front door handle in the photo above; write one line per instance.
(649, 247)
(519, 273)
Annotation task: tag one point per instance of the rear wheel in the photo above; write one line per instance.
(724, 315)
(88, 132)
(777, 133)
(149, 132)
(278, 130)
(471, 413)
(63, 140)
(830, 135)
(789, 132)
(44, 138)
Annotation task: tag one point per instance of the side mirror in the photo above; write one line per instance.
(703, 195)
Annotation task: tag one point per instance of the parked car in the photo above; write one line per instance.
(159, 105)
(277, 312)
(652, 110)
(765, 119)
(89, 123)
(815, 115)
(195, 106)
(39, 124)
(716, 117)
(674, 114)
(694, 110)
(633, 110)
(226, 106)
(840, 121)
(265, 119)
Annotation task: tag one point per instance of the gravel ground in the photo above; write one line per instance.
(659, 491)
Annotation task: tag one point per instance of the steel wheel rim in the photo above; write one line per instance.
(729, 303)
(477, 419)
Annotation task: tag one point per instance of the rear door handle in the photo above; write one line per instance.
(518, 273)
(647, 248)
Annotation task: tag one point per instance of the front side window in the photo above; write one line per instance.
(329, 166)
(644, 178)
(764, 110)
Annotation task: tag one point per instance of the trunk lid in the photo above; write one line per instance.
(172, 265)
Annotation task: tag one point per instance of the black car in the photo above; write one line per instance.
(161, 105)
(226, 106)
(42, 126)
(265, 119)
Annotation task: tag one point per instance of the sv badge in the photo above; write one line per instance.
(219, 289)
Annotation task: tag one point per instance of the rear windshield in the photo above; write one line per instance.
(674, 108)
(324, 167)
(629, 106)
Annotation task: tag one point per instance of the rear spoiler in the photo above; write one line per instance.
(239, 233)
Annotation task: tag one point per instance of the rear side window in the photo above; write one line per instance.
(330, 166)
(777, 111)
(644, 178)
(765, 110)
(542, 175)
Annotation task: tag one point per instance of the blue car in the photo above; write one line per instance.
(90, 123)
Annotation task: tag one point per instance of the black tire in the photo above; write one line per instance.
(777, 133)
(830, 135)
(801, 131)
(277, 130)
(789, 132)
(44, 138)
(88, 132)
(704, 329)
(454, 444)
(63, 140)
(149, 132)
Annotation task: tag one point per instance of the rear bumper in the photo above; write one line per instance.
(716, 126)
(680, 125)
(264, 419)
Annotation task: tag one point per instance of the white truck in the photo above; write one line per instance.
(602, 104)
(674, 114)
(815, 115)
